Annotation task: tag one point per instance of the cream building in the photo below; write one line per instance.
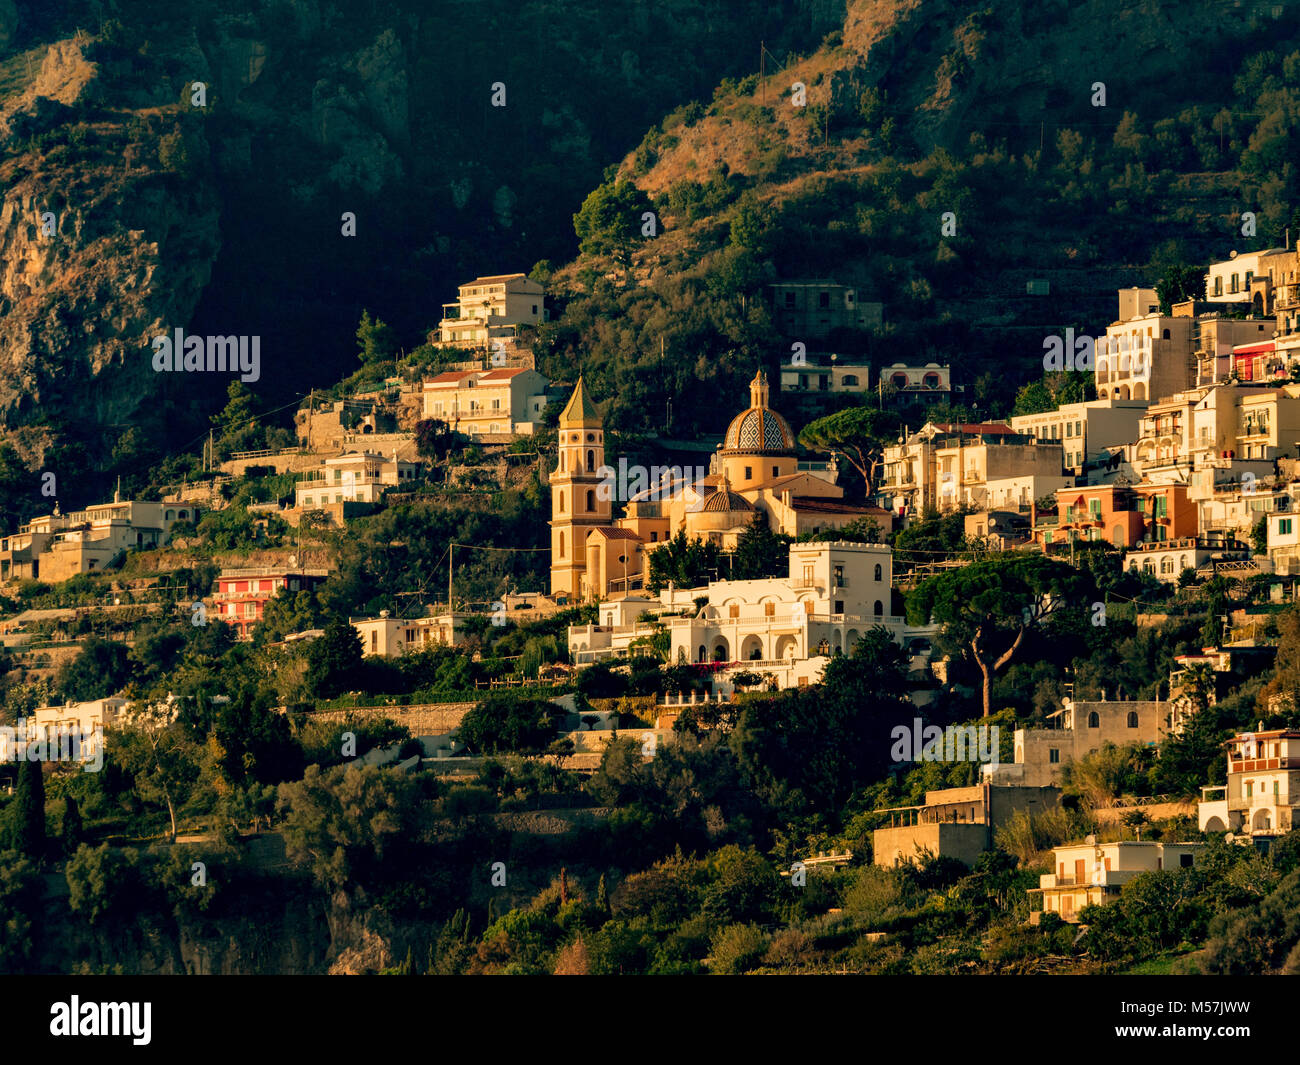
(983, 466)
(1232, 280)
(1076, 730)
(1263, 788)
(357, 477)
(495, 402)
(391, 637)
(58, 546)
(1093, 874)
(1086, 431)
(489, 308)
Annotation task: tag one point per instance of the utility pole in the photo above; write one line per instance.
(451, 551)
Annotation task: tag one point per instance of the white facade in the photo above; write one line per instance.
(1263, 789)
(357, 477)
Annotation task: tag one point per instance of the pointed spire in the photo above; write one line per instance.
(580, 410)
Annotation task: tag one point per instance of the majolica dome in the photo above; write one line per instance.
(724, 501)
(760, 429)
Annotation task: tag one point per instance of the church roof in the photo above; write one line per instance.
(758, 430)
(580, 410)
(724, 501)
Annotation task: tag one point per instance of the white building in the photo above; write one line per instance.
(790, 626)
(357, 477)
(1229, 281)
(391, 637)
(1086, 431)
(1263, 788)
(489, 308)
(1093, 874)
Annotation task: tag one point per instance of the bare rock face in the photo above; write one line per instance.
(100, 249)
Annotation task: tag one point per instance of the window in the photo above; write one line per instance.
(776, 471)
(749, 473)
(1132, 719)
(839, 606)
(561, 502)
(769, 610)
(561, 545)
(1284, 527)
(879, 572)
(374, 642)
(1184, 861)
(879, 609)
(1094, 509)
(850, 380)
(591, 461)
(1094, 721)
(733, 611)
(1162, 506)
(823, 300)
(1053, 755)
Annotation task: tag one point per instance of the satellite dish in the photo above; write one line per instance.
(1090, 840)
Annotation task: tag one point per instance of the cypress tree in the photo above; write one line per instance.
(71, 826)
(29, 811)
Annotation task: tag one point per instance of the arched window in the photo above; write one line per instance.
(850, 379)
(1165, 335)
(879, 572)
(1094, 721)
(1132, 719)
(183, 515)
(932, 380)
(591, 502)
(880, 608)
(591, 461)
(171, 514)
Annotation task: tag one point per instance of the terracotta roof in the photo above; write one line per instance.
(830, 506)
(609, 532)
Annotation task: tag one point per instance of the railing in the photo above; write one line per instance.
(264, 453)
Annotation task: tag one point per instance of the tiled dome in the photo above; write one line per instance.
(759, 429)
(725, 501)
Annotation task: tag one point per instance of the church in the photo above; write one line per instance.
(596, 556)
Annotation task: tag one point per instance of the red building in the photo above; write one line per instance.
(242, 594)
